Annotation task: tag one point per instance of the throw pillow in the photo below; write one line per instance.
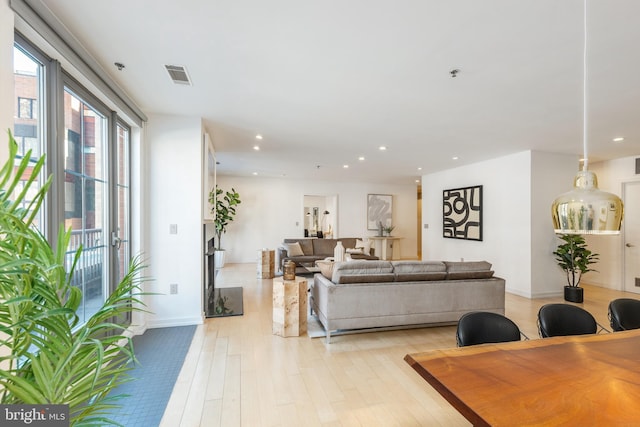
(354, 251)
(366, 246)
(293, 249)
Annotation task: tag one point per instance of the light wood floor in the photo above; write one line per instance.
(238, 374)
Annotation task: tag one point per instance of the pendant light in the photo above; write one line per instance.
(585, 209)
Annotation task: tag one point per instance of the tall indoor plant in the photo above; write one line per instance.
(48, 357)
(224, 205)
(574, 258)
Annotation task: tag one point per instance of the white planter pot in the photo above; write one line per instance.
(219, 258)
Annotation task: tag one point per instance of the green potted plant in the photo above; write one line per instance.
(574, 258)
(47, 356)
(224, 208)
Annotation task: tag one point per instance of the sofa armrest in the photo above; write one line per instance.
(322, 288)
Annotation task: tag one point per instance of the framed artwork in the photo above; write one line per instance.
(379, 209)
(462, 213)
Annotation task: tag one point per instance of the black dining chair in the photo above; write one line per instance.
(481, 327)
(624, 314)
(565, 319)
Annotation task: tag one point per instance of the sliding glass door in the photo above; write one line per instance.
(85, 190)
(88, 153)
(120, 236)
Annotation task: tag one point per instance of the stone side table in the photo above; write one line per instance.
(266, 264)
(289, 307)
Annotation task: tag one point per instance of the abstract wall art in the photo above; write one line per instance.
(462, 213)
(379, 209)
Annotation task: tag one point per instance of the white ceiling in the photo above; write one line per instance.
(328, 81)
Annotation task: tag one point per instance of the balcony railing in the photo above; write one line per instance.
(88, 273)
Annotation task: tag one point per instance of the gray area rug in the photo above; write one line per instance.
(160, 354)
(314, 328)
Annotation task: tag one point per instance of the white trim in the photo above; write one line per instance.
(181, 321)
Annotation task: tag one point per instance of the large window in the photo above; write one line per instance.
(87, 147)
(28, 74)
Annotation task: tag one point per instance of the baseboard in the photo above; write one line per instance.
(133, 330)
(547, 294)
(168, 323)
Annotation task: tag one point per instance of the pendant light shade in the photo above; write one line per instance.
(585, 209)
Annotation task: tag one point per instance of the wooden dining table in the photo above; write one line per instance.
(584, 380)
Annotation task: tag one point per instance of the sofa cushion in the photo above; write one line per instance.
(470, 275)
(306, 244)
(348, 242)
(419, 267)
(468, 270)
(362, 272)
(293, 249)
(412, 271)
(324, 247)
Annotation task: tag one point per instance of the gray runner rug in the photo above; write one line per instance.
(160, 354)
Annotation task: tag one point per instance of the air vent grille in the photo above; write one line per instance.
(178, 74)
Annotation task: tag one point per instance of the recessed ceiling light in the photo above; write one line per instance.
(345, 166)
(256, 147)
(417, 180)
(361, 158)
(255, 173)
(258, 136)
(419, 169)
(618, 139)
(455, 157)
(382, 148)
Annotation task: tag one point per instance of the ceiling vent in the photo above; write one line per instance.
(178, 74)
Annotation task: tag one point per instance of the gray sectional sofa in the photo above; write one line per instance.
(314, 249)
(379, 294)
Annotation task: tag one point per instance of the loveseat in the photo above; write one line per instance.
(308, 250)
(385, 294)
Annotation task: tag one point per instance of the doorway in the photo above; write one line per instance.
(631, 236)
(320, 216)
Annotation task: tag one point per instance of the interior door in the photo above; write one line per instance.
(631, 230)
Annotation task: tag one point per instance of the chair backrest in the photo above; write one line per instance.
(565, 319)
(624, 314)
(480, 327)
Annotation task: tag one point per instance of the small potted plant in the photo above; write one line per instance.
(388, 229)
(574, 258)
(224, 208)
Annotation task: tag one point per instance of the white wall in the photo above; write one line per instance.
(611, 175)
(174, 195)
(272, 209)
(552, 175)
(517, 230)
(7, 109)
